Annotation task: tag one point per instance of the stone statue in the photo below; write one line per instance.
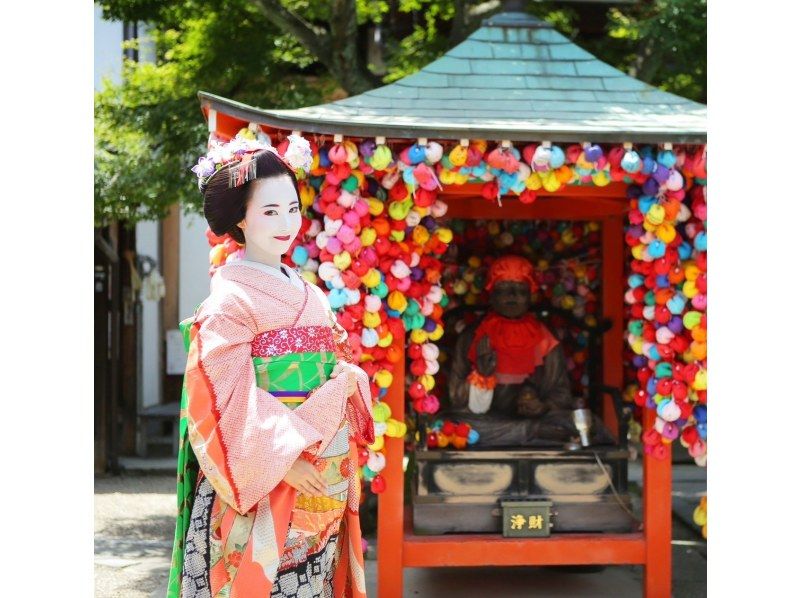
(508, 375)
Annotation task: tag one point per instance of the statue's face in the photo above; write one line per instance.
(510, 299)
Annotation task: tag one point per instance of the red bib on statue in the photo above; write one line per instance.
(521, 344)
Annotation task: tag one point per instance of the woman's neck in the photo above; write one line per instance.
(269, 259)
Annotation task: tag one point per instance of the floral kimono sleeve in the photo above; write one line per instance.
(244, 438)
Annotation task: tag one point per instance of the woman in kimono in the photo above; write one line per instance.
(273, 408)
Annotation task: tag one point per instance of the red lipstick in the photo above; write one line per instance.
(286, 238)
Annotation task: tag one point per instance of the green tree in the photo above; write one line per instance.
(661, 42)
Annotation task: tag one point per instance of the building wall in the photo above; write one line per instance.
(194, 278)
(108, 54)
(107, 48)
(147, 241)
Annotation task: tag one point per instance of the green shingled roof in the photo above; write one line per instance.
(514, 78)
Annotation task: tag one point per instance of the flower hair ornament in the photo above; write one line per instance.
(239, 152)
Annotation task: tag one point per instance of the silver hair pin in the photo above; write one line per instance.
(242, 173)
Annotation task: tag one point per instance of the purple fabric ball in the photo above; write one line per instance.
(651, 186)
(661, 174)
(367, 147)
(675, 324)
(429, 222)
(593, 153)
(637, 230)
(430, 325)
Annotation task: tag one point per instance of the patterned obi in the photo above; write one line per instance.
(291, 363)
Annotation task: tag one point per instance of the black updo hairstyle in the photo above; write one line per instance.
(224, 207)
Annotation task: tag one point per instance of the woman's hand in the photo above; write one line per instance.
(347, 369)
(305, 478)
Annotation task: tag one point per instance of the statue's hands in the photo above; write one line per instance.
(487, 358)
(529, 404)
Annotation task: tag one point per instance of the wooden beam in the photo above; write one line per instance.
(615, 191)
(613, 299)
(170, 263)
(473, 550)
(560, 207)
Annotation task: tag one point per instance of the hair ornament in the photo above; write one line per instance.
(240, 150)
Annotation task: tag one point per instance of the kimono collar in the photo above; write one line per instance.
(277, 287)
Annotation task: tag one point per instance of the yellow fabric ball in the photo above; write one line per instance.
(381, 412)
(386, 341)
(691, 272)
(447, 177)
(460, 287)
(690, 289)
(458, 155)
(383, 378)
(307, 195)
(371, 279)
(342, 260)
(445, 235)
(666, 232)
(533, 182)
(700, 381)
(437, 333)
(309, 276)
(371, 320)
(392, 429)
(418, 336)
(551, 182)
(375, 206)
(377, 445)
(655, 214)
(368, 236)
(397, 301)
(427, 382)
(420, 235)
(601, 178)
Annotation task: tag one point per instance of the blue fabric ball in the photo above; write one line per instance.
(300, 255)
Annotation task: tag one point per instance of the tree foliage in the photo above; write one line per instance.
(292, 53)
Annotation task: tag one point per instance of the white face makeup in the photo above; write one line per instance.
(272, 219)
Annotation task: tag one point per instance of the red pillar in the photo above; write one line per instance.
(657, 505)
(390, 502)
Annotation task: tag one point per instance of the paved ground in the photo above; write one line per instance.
(134, 523)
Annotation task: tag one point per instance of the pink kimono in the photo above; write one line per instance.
(261, 347)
